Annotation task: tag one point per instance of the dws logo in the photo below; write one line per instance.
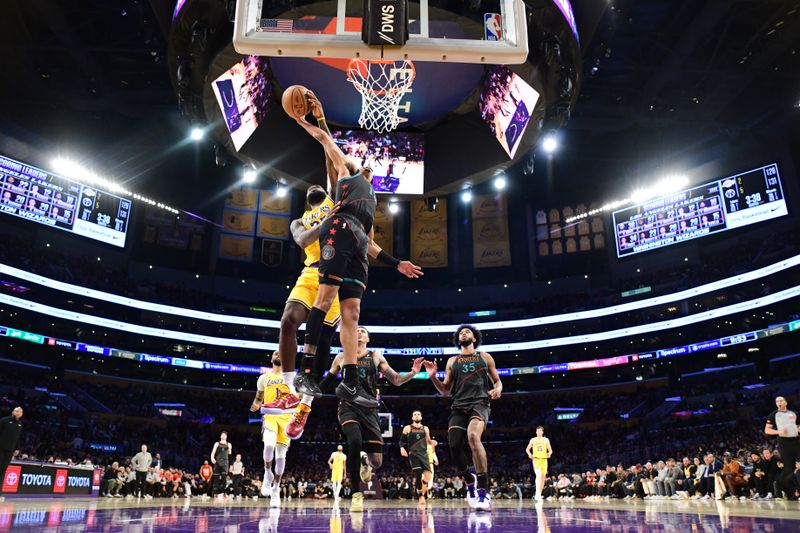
(388, 23)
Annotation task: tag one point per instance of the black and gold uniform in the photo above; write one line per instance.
(470, 390)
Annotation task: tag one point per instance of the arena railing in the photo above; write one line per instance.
(144, 305)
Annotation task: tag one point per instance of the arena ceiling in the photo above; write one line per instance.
(660, 78)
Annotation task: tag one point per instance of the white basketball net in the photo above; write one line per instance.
(382, 85)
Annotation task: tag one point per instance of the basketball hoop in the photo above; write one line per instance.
(382, 84)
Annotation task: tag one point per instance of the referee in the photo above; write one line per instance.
(10, 428)
(783, 423)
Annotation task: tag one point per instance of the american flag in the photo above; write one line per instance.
(280, 25)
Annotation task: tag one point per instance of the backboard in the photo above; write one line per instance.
(496, 34)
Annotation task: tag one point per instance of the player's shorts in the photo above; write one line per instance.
(337, 475)
(343, 256)
(367, 418)
(419, 462)
(461, 416)
(305, 293)
(277, 424)
(540, 465)
(220, 468)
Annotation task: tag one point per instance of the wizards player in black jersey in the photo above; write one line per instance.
(360, 422)
(345, 238)
(414, 444)
(472, 381)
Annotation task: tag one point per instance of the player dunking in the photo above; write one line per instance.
(337, 462)
(305, 232)
(414, 444)
(539, 451)
(345, 238)
(271, 388)
(360, 424)
(472, 381)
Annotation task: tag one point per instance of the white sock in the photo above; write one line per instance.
(307, 399)
(288, 378)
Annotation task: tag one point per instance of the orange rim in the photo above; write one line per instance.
(368, 62)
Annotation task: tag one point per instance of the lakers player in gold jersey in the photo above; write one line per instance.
(337, 462)
(305, 232)
(539, 451)
(270, 389)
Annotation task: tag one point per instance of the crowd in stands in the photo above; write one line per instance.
(80, 270)
(641, 448)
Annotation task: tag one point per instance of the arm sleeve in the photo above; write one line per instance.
(771, 420)
(403, 440)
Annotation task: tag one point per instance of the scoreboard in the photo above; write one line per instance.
(34, 194)
(728, 203)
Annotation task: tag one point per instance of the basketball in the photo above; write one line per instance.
(294, 101)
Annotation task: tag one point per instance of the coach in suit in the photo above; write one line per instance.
(10, 429)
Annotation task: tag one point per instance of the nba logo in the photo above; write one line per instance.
(493, 26)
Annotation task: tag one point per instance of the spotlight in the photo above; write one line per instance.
(466, 196)
(281, 191)
(249, 175)
(394, 208)
(197, 134)
(500, 182)
(550, 143)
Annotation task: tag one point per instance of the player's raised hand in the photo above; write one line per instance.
(430, 368)
(417, 365)
(315, 105)
(409, 269)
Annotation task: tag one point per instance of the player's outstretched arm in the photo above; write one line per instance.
(497, 391)
(407, 268)
(319, 114)
(333, 372)
(446, 386)
(341, 164)
(395, 378)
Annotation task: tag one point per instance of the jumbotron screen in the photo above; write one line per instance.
(397, 159)
(34, 194)
(723, 204)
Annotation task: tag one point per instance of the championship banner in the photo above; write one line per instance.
(384, 231)
(273, 227)
(235, 247)
(272, 203)
(490, 244)
(242, 199)
(240, 222)
(429, 234)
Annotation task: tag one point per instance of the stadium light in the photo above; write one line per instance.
(394, 208)
(81, 174)
(550, 143)
(500, 182)
(197, 134)
(249, 175)
(466, 196)
(281, 191)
